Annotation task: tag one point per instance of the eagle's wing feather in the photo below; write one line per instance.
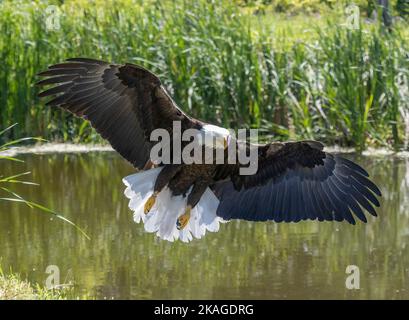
(298, 181)
(124, 103)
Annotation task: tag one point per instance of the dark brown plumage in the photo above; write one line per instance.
(298, 181)
(124, 103)
(294, 181)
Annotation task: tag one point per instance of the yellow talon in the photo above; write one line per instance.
(149, 203)
(183, 219)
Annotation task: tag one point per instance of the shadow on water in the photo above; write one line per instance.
(244, 260)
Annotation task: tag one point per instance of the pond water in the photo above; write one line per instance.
(242, 261)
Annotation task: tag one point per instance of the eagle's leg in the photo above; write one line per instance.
(150, 202)
(193, 198)
(167, 173)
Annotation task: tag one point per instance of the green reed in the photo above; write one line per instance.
(339, 86)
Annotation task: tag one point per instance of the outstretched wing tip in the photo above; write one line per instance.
(301, 185)
(353, 222)
(119, 101)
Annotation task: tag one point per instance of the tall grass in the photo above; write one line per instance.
(339, 86)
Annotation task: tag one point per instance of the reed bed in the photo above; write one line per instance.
(341, 86)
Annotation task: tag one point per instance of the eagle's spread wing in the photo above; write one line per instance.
(124, 103)
(297, 181)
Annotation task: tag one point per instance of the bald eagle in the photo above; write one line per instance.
(294, 181)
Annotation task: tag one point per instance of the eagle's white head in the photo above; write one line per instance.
(214, 136)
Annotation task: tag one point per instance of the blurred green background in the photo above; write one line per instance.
(296, 69)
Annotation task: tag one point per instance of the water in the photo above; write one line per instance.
(243, 260)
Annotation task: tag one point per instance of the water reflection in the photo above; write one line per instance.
(244, 260)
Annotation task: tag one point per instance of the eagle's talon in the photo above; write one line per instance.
(149, 203)
(183, 220)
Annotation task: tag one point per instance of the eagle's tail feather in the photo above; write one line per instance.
(167, 208)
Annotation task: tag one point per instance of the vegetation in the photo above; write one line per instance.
(316, 79)
(399, 7)
(12, 287)
(6, 181)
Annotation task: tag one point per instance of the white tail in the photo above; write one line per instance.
(167, 208)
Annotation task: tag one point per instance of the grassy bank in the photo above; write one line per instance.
(13, 287)
(312, 79)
